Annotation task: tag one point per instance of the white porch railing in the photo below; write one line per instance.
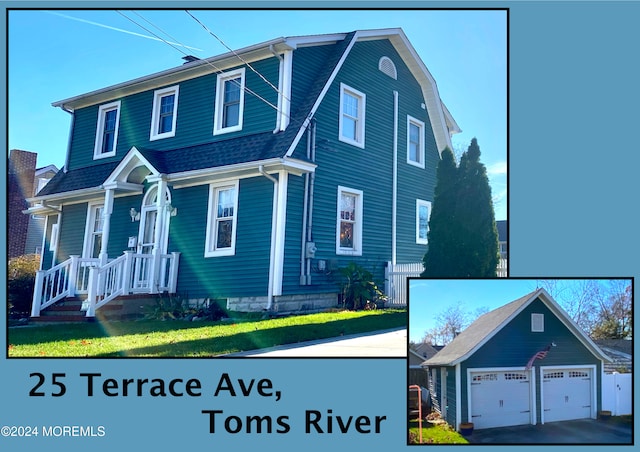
(127, 274)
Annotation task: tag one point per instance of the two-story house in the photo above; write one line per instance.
(250, 176)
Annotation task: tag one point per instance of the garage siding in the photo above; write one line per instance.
(515, 343)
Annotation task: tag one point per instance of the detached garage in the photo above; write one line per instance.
(526, 362)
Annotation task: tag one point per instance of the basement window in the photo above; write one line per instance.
(537, 323)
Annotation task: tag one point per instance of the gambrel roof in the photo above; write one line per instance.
(260, 149)
(489, 324)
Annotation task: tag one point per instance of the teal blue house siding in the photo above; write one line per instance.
(71, 234)
(242, 274)
(195, 115)
(515, 344)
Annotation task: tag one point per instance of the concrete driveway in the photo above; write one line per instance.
(583, 431)
(387, 343)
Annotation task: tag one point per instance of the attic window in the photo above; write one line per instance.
(537, 323)
(387, 67)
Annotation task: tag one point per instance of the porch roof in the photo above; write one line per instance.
(219, 154)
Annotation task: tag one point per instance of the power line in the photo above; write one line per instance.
(216, 69)
(237, 55)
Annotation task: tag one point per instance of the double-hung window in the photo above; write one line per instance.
(352, 108)
(349, 222)
(229, 106)
(423, 212)
(164, 116)
(415, 142)
(222, 219)
(93, 231)
(107, 130)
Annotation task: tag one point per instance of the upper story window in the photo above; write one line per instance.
(229, 106)
(107, 130)
(165, 109)
(349, 222)
(352, 109)
(423, 212)
(415, 142)
(221, 220)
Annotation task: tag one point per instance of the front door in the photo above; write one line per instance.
(149, 222)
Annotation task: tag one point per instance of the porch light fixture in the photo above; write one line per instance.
(173, 211)
(135, 215)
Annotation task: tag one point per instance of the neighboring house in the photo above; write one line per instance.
(33, 244)
(482, 376)
(252, 176)
(24, 182)
(20, 174)
(501, 226)
(621, 353)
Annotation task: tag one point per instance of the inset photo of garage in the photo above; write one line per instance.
(520, 361)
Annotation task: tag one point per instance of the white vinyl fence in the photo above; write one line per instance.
(617, 394)
(395, 282)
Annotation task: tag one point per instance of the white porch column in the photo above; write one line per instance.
(106, 224)
(161, 216)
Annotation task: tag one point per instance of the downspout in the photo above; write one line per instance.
(394, 201)
(305, 205)
(274, 220)
(312, 181)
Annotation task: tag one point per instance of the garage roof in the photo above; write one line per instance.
(489, 324)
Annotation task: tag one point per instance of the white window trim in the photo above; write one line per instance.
(420, 203)
(157, 96)
(210, 241)
(218, 112)
(359, 141)
(87, 245)
(421, 153)
(357, 230)
(97, 154)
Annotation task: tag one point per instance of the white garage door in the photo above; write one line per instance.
(566, 394)
(500, 398)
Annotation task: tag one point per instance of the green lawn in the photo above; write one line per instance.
(432, 433)
(176, 338)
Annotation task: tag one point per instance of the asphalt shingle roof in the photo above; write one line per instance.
(476, 333)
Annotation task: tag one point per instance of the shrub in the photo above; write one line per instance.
(358, 288)
(178, 307)
(21, 276)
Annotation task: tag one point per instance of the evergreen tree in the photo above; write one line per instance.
(464, 242)
(442, 234)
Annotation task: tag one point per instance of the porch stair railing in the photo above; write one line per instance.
(127, 274)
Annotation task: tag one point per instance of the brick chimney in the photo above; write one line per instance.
(22, 167)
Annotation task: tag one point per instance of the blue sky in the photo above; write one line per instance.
(429, 297)
(54, 55)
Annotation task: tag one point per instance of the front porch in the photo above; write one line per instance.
(131, 273)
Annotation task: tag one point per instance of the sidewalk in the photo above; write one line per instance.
(387, 343)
